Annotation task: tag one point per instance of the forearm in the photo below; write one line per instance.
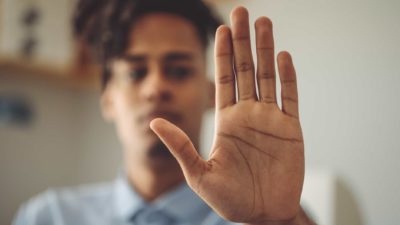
(300, 219)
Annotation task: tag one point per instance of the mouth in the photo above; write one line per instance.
(168, 115)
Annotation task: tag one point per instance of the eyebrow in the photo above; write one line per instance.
(169, 57)
(131, 58)
(177, 56)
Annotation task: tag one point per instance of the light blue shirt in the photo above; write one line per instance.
(116, 203)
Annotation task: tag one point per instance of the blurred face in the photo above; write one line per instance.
(162, 74)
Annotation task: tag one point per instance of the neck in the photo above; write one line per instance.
(151, 180)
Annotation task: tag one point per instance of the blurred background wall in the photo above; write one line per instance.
(347, 55)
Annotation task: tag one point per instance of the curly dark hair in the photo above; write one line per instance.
(105, 24)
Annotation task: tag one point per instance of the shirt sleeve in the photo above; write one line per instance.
(20, 217)
(36, 211)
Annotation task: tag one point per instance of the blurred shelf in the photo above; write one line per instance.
(66, 77)
(219, 1)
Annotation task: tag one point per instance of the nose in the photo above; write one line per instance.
(156, 88)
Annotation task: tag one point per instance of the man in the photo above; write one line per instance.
(155, 91)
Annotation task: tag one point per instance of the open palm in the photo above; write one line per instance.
(256, 167)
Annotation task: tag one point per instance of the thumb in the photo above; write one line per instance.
(180, 146)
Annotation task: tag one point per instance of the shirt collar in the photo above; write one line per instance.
(127, 202)
(181, 203)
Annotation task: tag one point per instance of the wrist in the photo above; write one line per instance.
(301, 218)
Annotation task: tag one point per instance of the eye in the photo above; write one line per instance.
(137, 73)
(178, 72)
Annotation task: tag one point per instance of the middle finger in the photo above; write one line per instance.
(244, 66)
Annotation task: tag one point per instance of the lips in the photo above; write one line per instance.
(168, 115)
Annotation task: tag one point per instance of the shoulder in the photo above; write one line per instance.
(57, 204)
(81, 196)
(36, 210)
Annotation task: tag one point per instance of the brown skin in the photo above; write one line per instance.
(161, 75)
(258, 148)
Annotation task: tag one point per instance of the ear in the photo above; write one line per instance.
(107, 104)
(210, 94)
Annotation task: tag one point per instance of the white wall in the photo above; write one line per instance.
(42, 154)
(66, 144)
(100, 154)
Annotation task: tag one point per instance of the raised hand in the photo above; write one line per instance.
(256, 167)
